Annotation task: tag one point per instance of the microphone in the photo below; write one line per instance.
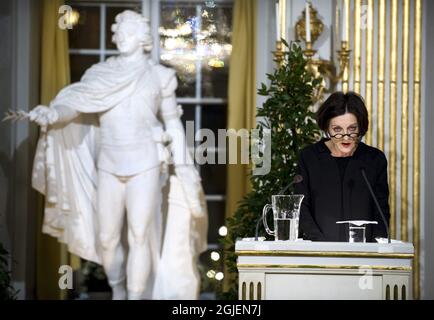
(362, 170)
(351, 184)
(297, 179)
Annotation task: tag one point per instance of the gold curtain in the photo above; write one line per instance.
(241, 93)
(55, 74)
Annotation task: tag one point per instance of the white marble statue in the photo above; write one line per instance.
(103, 154)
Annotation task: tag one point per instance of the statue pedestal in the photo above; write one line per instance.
(283, 270)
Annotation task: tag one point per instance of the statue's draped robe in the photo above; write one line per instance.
(65, 171)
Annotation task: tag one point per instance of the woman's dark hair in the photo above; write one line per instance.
(340, 103)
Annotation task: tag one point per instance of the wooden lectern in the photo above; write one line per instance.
(284, 270)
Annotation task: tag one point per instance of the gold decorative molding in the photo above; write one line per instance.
(357, 62)
(393, 107)
(369, 67)
(334, 254)
(346, 71)
(404, 118)
(243, 291)
(416, 141)
(318, 266)
(381, 74)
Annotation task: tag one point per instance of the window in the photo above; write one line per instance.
(90, 39)
(195, 39)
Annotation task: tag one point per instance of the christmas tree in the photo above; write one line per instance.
(287, 114)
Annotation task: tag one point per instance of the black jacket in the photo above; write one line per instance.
(327, 200)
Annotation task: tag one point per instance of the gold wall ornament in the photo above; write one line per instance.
(313, 66)
(316, 25)
(278, 54)
(326, 69)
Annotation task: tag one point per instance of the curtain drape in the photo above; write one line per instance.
(241, 93)
(55, 74)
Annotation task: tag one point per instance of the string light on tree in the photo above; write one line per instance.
(215, 256)
(223, 231)
(211, 274)
(219, 276)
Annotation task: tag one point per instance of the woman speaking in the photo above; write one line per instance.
(332, 171)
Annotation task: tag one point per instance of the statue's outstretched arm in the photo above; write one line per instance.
(44, 115)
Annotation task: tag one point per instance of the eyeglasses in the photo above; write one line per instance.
(352, 135)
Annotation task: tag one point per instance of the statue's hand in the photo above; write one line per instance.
(187, 173)
(43, 115)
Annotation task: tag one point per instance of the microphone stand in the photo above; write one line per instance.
(376, 203)
(257, 228)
